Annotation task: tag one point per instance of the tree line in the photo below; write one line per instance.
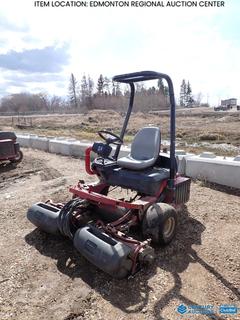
(85, 94)
(107, 94)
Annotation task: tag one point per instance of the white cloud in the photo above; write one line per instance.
(183, 42)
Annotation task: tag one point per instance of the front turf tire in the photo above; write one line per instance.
(160, 223)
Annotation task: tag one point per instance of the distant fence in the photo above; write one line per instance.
(42, 112)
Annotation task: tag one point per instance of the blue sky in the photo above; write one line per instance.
(41, 47)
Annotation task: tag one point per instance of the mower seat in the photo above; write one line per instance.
(145, 149)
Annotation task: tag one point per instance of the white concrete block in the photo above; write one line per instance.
(209, 155)
(40, 143)
(77, 148)
(60, 146)
(124, 151)
(180, 153)
(53, 146)
(32, 138)
(23, 140)
(181, 161)
(224, 171)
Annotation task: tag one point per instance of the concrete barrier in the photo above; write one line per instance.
(32, 139)
(181, 157)
(60, 146)
(40, 143)
(224, 171)
(23, 140)
(124, 151)
(77, 148)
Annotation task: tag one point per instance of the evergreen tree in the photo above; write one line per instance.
(90, 86)
(189, 97)
(72, 91)
(183, 91)
(87, 86)
(166, 91)
(162, 88)
(100, 85)
(151, 90)
(160, 85)
(118, 90)
(114, 88)
(84, 89)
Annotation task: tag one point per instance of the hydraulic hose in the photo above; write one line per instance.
(64, 219)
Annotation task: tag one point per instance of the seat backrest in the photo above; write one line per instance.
(146, 144)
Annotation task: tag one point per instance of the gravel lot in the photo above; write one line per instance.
(44, 277)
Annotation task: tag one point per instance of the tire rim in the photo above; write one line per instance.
(169, 227)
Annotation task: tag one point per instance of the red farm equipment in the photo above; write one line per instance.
(9, 147)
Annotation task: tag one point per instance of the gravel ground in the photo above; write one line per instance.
(44, 277)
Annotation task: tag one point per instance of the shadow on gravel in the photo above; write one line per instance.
(221, 188)
(7, 166)
(177, 258)
(129, 295)
(132, 295)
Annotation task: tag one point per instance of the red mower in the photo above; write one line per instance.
(116, 234)
(9, 147)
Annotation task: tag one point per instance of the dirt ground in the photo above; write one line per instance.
(44, 277)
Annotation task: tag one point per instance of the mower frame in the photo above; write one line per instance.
(108, 242)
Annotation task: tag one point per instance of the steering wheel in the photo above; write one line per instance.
(112, 139)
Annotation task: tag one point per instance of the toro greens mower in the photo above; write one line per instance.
(9, 147)
(116, 234)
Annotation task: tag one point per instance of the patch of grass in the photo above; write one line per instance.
(217, 152)
(210, 137)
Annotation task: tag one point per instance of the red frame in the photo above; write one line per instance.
(92, 192)
(88, 161)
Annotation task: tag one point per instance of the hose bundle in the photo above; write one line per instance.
(65, 217)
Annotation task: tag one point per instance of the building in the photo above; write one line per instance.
(229, 103)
